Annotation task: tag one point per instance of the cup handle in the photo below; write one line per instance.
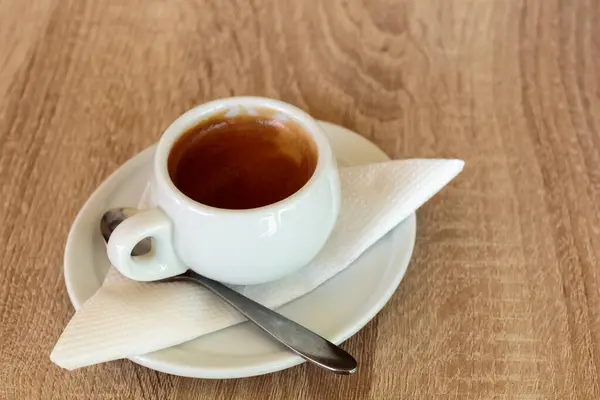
(161, 262)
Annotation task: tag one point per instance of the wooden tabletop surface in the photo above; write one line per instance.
(501, 299)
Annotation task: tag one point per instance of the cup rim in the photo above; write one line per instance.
(203, 111)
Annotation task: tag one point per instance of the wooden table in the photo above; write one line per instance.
(502, 297)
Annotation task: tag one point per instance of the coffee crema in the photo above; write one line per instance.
(242, 162)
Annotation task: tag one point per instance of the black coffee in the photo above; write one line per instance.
(242, 162)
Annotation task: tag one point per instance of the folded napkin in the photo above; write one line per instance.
(125, 318)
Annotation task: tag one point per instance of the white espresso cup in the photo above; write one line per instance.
(247, 246)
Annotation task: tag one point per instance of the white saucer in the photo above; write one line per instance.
(335, 310)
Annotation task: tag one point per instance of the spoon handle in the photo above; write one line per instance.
(295, 337)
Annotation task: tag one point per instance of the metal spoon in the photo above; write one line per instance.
(300, 340)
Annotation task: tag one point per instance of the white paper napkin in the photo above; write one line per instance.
(125, 318)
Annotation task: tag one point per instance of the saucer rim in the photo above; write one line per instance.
(111, 183)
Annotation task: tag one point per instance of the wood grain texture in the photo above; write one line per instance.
(502, 297)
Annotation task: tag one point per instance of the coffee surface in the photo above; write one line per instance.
(242, 162)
